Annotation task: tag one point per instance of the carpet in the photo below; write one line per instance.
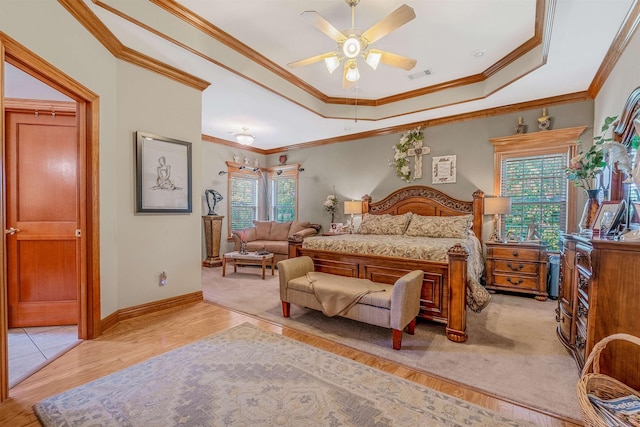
(512, 351)
(245, 376)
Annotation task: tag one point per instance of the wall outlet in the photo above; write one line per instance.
(163, 278)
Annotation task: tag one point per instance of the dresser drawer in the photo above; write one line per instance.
(515, 267)
(583, 257)
(565, 325)
(583, 285)
(515, 281)
(515, 253)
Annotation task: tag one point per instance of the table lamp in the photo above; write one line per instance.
(496, 206)
(352, 207)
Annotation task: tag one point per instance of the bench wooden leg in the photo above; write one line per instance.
(411, 327)
(397, 339)
(286, 309)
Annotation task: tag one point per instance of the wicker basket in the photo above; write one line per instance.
(603, 386)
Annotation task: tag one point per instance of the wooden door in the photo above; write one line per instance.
(43, 251)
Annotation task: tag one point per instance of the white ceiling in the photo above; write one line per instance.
(442, 38)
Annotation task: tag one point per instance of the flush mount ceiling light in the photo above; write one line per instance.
(244, 137)
(353, 44)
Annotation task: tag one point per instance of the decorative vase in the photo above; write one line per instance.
(589, 213)
(243, 248)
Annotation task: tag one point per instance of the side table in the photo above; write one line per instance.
(517, 267)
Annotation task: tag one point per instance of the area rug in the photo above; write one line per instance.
(245, 376)
(512, 351)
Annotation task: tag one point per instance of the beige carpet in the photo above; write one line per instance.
(247, 377)
(512, 350)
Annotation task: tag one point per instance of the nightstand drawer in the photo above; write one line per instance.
(516, 266)
(515, 281)
(515, 253)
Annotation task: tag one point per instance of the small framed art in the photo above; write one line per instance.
(163, 174)
(444, 169)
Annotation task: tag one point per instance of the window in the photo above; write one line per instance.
(537, 186)
(284, 197)
(529, 168)
(265, 194)
(243, 200)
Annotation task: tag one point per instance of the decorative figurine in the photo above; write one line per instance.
(255, 163)
(282, 159)
(521, 127)
(544, 122)
(532, 233)
(246, 160)
(213, 197)
(236, 158)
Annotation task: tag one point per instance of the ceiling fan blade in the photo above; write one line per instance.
(396, 60)
(394, 20)
(323, 25)
(311, 60)
(346, 84)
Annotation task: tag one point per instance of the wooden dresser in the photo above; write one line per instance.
(517, 267)
(599, 295)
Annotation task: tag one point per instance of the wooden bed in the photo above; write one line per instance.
(444, 288)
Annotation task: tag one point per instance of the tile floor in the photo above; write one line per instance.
(29, 348)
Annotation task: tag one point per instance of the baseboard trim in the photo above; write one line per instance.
(147, 308)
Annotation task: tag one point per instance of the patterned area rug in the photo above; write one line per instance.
(245, 376)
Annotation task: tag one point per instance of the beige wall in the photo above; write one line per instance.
(133, 249)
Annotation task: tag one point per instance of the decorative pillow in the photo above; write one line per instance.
(440, 226)
(263, 230)
(298, 226)
(384, 224)
(280, 230)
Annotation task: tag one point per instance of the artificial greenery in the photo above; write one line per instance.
(401, 152)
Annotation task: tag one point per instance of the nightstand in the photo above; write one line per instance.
(517, 267)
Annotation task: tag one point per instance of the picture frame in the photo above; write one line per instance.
(163, 174)
(619, 210)
(444, 169)
(607, 206)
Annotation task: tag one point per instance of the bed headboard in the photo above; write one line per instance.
(427, 201)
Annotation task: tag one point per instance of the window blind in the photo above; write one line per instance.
(284, 190)
(243, 201)
(537, 186)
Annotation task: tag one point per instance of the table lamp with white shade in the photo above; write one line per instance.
(496, 206)
(353, 207)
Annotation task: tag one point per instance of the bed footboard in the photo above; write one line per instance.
(443, 295)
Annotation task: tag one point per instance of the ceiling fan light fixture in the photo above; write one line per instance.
(373, 59)
(351, 47)
(245, 138)
(332, 63)
(352, 73)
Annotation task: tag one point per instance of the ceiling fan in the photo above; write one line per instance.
(353, 43)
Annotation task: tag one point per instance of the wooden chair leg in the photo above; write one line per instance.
(411, 327)
(286, 309)
(397, 339)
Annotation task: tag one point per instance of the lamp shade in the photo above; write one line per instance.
(352, 207)
(497, 205)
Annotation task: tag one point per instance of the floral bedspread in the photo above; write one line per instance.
(423, 248)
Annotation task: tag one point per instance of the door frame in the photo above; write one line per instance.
(88, 115)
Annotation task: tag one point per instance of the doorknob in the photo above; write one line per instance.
(11, 231)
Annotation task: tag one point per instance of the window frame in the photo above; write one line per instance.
(285, 173)
(561, 141)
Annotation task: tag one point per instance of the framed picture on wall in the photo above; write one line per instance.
(444, 169)
(163, 174)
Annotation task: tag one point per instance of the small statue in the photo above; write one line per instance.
(544, 122)
(246, 160)
(521, 127)
(236, 158)
(213, 197)
(255, 163)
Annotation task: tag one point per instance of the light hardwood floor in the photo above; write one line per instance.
(135, 340)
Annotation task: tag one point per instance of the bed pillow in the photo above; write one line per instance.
(384, 224)
(440, 226)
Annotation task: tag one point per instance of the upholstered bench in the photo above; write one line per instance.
(389, 306)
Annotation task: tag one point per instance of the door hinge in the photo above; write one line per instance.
(78, 232)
